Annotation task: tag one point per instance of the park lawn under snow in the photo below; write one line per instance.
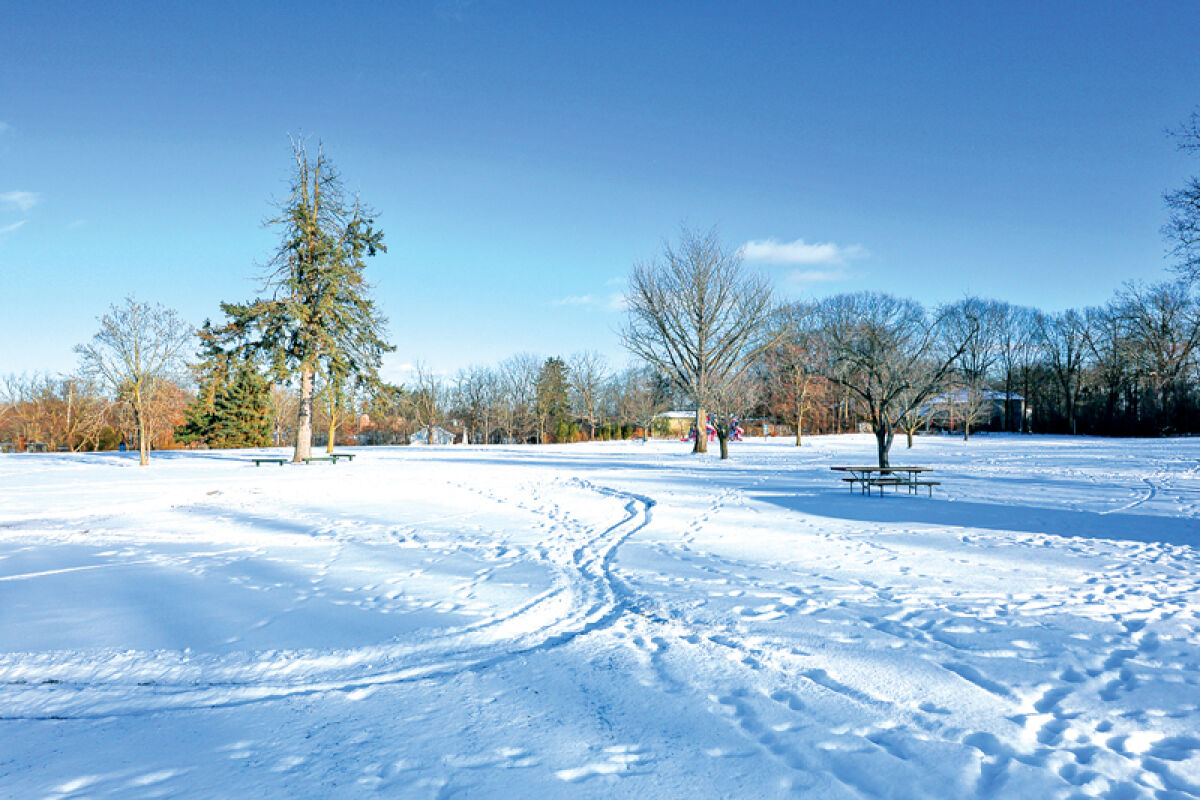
(604, 620)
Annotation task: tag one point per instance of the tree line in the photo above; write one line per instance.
(300, 362)
(1130, 367)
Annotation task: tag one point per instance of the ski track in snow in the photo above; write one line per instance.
(582, 601)
(1017, 636)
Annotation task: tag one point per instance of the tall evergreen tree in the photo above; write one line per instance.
(242, 414)
(318, 315)
(553, 401)
(211, 372)
(233, 405)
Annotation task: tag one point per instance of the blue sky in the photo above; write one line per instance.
(523, 156)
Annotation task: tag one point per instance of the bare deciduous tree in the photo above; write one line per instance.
(428, 399)
(973, 327)
(885, 351)
(917, 413)
(1163, 323)
(792, 368)
(337, 401)
(1183, 227)
(1016, 354)
(284, 404)
(1063, 342)
(728, 401)
(477, 400)
(138, 348)
(1111, 353)
(639, 396)
(518, 384)
(588, 373)
(699, 317)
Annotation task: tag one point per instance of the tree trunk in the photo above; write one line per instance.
(304, 418)
(723, 439)
(1008, 401)
(332, 430)
(1026, 420)
(883, 442)
(701, 445)
(70, 402)
(966, 429)
(908, 432)
(143, 439)
(429, 435)
(799, 428)
(1071, 411)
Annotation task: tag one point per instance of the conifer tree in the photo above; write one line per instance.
(242, 414)
(317, 315)
(233, 405)
(552, 401)
(211, 372)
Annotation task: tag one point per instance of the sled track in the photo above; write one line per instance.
(98, 684)
(1150, 492)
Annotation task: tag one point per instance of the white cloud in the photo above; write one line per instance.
(19, 200)
(12, 227)
(616, 302)
(574, 300)
(772, 251)
(605, 302)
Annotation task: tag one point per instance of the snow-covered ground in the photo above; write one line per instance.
(605, 620)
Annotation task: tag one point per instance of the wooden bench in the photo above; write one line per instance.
(311, 459)
(930, 484)
(347, 456)
(885, 481)
(258, 462)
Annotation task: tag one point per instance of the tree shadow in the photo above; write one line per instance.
(905, 509)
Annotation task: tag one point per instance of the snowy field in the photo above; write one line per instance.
(605, 620)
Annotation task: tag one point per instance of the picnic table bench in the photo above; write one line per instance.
(311, 459)
(258, 462)
(869, 477)
(347, 456)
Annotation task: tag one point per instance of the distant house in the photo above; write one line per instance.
(676, 424)
(945, 412)
(440, 436)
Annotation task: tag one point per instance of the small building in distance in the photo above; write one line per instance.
(440, 436)
(673, 424)
(945, 412)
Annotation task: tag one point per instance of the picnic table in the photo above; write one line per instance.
(869, 477)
